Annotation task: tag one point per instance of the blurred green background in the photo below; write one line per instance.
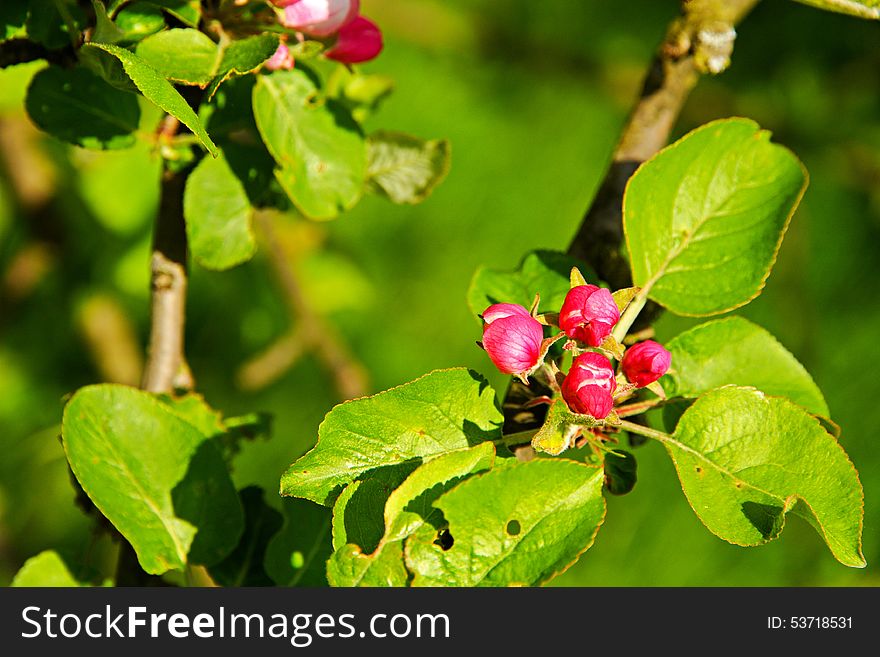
(532, 96)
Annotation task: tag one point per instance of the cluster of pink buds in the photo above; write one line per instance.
(354, 38)
(514, 339)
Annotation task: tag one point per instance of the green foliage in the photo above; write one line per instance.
(45, 569)
(158, 90)
(188, 12)
(182, 55)
(406, 509)
(53, 23)
(139, 19)
(77, 106)
(621, 472)
(296, 555)
(560, 428)
(442, 411)
(745, 460)
(359, 92)
(244, 566)
(417, 494)
(318, 148)
(240, 57)
(540, 272)
(155, 476)
(357, 513)
(736, 351)
(106, 31)
(403, 168)
(218, 216)
(12, 20)
(508, 526)
(704, 218)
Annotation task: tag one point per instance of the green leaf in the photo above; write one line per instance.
(441, 411)
(522, 524)
(241, 57)
(181, 55)
(318, 147)
(360, 93)
(406, 509)
(108, 67)
(560, 428)
(297, 554)
(77, 106)
(139, 19)
(704, 218)
(860, 8)
(207, 499)
(45, 569)
(745, 460)
(158, 90)
(357, 513)
(621, 472)
(13, 16)
(735, 351)
(244, 566)
(226, 433)
(218, 216)
(106, 31)
(188, 12)
(193, 408)
(540, 272)
(155, 476)
(405, 169)
(46, 25)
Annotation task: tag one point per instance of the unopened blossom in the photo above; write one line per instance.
(512, 338)
(358, 41)
(588, 314)
(320, 18)
(282, 59)
(645, 362)
(589, 386)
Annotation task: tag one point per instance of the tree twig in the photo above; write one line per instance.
(168, 278)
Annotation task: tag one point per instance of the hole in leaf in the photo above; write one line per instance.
(699, 470)
(513, 528)
(444, 540)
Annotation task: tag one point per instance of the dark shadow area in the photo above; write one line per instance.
(766, 518)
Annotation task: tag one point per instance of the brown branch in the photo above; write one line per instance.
(349, 375)
(698, 41)
(22, 50)
(168, 282)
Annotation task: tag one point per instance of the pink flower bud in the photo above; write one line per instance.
(645, 362)
(589, 385)
(512, 338)
(502, 310)
(358, 41)
(282, 59)
(319, 18)
(588, 314)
